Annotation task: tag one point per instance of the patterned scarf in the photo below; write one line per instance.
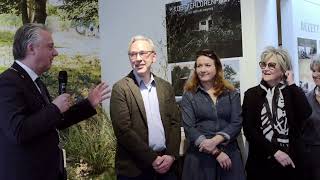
(274, 122)
(317, 91)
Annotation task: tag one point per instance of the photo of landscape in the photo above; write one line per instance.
(197, 25)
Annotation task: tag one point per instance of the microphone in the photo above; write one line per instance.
(63, 79)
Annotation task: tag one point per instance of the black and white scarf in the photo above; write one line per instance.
(317, 91)
(274, 122)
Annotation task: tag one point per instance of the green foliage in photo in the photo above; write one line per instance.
(84, 10)
(83, 73)
(10, 20)
(9, 6)
(52, 10)
(90, 145)
(6, 38)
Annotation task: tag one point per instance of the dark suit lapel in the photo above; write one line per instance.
(28, 81)
(133, 86)
(161, 99)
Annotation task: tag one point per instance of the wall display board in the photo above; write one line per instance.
(213, 24)
(301, 35)
(203, 24)
(307, 48)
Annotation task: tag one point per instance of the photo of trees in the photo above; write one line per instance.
(203, 24)
(90, 145)
(307, 48)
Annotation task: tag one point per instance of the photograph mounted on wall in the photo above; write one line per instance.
(203, 24)
(307, 48)
(181, 73)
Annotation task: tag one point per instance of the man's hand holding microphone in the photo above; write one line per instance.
(96, 94)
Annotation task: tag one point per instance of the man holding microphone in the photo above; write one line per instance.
(29, 120)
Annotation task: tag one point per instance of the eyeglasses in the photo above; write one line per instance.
(271, 65)
(142, 54)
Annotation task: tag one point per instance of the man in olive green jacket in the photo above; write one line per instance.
(145, 119)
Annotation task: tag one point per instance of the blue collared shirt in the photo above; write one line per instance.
(157, 140)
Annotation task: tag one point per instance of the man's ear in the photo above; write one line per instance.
(30, 48)
(154, 58)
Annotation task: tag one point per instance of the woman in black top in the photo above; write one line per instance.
(273, 115)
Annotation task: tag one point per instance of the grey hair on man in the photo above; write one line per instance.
(282, 57)
(142, 38)
(25, 35)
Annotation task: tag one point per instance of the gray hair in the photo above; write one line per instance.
(282, 57)
(25, 35)
(315, 62)
(141, 38)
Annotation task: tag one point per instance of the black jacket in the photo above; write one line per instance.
(28, 136)
(297, 111)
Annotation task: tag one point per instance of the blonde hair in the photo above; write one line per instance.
(282, 57)
(141, 38)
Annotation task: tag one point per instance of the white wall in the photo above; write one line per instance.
(293, 14)
(122, 19)
(259, 29)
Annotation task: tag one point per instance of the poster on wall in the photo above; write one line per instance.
(203, 24)
(76, 38)
(181, 72)
(307, 48)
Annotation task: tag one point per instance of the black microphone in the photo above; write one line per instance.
(63, 79)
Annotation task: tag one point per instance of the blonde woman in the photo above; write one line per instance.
(273, 115)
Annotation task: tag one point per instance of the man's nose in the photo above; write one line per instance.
(139, 58)
(55, 52)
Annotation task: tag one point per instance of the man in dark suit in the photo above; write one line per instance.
(28, 118)
(145, 118)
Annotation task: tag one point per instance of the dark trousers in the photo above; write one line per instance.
(62, 170)
(311, 162)
(271, 170)
(150, 174)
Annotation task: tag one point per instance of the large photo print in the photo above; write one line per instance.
(196, 25)
(307, 48)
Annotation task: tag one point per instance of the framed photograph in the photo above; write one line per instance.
(203, 24)
(307, 48)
